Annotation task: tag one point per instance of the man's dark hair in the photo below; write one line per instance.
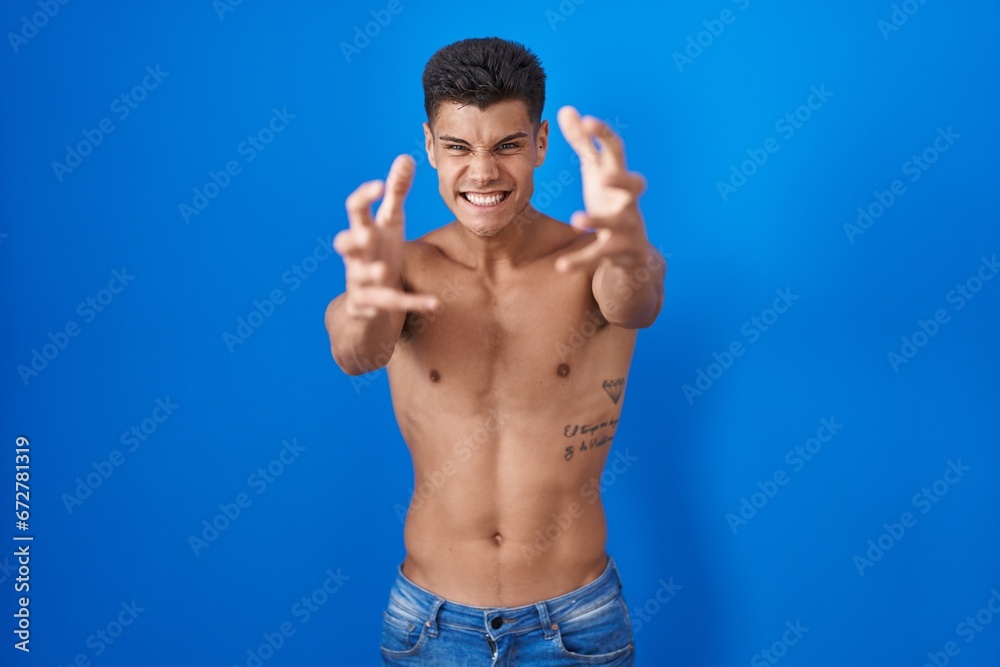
(484, 71)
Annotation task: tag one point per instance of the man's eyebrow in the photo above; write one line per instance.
(456, 140)
(516, 135)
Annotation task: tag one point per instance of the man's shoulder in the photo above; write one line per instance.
(427, 252)
(430, 245)
(435, 237)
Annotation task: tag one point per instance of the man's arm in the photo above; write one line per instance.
(361, 345)
(628, 271)
(365, 321)
(631, 297)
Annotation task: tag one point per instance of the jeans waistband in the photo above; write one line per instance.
(433, 610)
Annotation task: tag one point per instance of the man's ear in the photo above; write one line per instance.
(541, 142)
(429, 145)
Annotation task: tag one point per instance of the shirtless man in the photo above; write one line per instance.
(507, 337)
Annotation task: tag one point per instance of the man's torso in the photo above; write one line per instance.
(508, 399)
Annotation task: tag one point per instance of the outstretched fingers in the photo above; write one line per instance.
(571, 125)
(354, 243)
(366, 300)
(611, 145)
(397, 185)
(359, 203)
(630, 181)
(589, 255)
(581, 132)
(606, 247)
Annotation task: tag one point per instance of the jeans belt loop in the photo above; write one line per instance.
(432, 622)
(548, 627)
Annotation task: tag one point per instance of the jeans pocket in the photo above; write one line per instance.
(401, 635)
(597, 635)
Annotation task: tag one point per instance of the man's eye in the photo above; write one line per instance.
(456, 147)
(507, 147)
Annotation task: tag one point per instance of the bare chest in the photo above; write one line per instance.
(519, 324)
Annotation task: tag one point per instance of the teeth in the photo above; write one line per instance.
(484, 200)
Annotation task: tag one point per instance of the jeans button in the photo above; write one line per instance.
(496, 623)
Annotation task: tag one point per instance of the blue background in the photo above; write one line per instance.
(686, 126)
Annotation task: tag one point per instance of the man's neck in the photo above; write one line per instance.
(520, 242)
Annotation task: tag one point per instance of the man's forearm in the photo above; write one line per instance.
(631, 297)
(361, 345)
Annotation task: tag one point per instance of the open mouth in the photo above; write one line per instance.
(485, 199)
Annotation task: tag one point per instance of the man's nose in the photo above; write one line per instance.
(483, 168)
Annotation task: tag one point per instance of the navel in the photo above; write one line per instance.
(497, 538)
(435, 376)
(563, 370)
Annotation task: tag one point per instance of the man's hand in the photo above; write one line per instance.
(373, 249)
(619, 252)
(610, 195)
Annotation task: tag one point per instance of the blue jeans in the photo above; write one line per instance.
(588, 626)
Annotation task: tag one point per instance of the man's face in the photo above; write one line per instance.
(486, 161)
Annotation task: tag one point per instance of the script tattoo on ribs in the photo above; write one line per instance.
(595, 440)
